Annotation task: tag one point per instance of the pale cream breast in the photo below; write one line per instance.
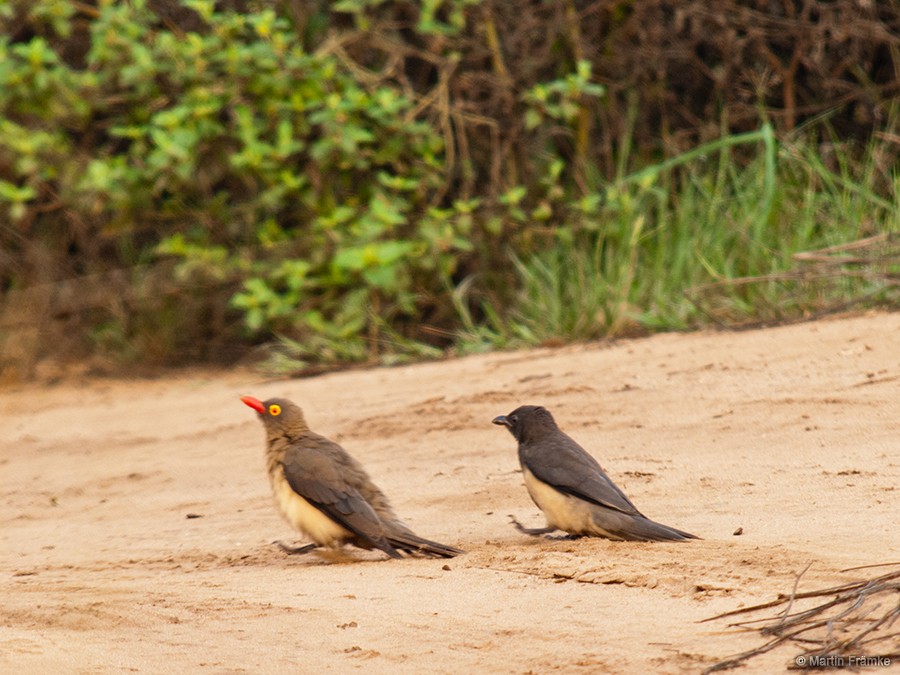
(305, 517)
(563, 511)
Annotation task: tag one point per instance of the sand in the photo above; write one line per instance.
(137, 522)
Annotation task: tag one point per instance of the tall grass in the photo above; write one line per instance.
(706, 237)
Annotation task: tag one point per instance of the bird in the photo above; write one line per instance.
(570, 486)
(326, 494)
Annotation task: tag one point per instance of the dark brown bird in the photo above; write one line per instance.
(325, 493)
(571, 488)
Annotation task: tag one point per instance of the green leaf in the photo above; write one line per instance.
(16, 194)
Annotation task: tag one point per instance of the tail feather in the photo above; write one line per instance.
(388, 547)
(644, 529)
(411, 543)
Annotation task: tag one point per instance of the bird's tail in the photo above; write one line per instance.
(405, 540)
(644, 529)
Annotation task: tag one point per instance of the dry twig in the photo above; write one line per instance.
(856, 621)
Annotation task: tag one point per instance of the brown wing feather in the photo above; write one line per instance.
(318, 470)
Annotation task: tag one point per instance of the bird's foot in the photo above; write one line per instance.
(565, 537)
(296, 550)
(531, 531)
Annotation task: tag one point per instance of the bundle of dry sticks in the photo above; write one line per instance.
(856, 623)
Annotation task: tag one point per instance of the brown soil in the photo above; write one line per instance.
(138, 526)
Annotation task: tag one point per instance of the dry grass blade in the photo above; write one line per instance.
(867, 567)
(815, 281)
(880, 247)
(855, 621)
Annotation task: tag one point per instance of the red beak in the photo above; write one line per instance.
(254, 403)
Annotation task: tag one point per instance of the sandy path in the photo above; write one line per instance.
(791, 433)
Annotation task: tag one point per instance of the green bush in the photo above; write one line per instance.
(369, 178)
(246, 156)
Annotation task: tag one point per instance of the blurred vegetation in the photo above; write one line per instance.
(371, 180)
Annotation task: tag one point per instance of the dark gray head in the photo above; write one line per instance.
(279, 416)
(528, 422)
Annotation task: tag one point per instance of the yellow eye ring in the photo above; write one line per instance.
(274, 410)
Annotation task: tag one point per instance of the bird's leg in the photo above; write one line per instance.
(296, 550)
(532, 531)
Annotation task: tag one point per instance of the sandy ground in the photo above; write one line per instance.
(792, 434)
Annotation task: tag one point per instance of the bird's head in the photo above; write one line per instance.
(527, 422)
(279, 416)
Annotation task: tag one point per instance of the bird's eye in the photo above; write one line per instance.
(513, 418)
(274, 410)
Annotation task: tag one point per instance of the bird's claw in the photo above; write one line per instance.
(531, 531)
(295, 550)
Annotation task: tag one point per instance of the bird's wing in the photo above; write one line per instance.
(563, 464)
(314, 469)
